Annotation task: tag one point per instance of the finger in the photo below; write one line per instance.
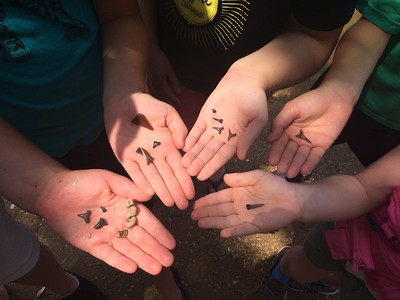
(154, 227)
(177, 127)
(281, 121)
(223, 196)
(124, 187)
(205, 156)
(247, 139)
(277, 149)
(240, 230)
(134, 252)
(215, 210)
(275, 132)
(287, 156)
(236, 180)
(113, 258)
(149, 244)
(219, 222)
(138, 177)
(154, 177)
(195, 133)
(172, 183)
(312, 160)
(298, 160)
(194, 152)
(181, 174)
(220, 158)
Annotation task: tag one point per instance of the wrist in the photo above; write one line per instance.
(49, 193)
(238, 75)
(122, 99)
(298, 205)
(339, 83)
(340, 93)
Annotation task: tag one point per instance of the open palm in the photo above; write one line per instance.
(153, 168)
(230, 121)
(147, 244)
(227, 209)
(321, 116)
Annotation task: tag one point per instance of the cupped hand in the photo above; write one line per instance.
(274, 197)
(305, 129)
(229, 122)
(70, 193)
(150, 155)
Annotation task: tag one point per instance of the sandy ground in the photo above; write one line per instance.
(210, 267)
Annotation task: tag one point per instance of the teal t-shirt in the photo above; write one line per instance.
(51, 72)
(380, 98)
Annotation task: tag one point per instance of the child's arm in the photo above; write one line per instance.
(331, 199)
(323, 112)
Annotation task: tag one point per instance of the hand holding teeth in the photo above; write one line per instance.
(130, 216)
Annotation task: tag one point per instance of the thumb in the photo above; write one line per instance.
(177, 127)
(243, 179)
(284, 118)
(124, 187)
(249, 136)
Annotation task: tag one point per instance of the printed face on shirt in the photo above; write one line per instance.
(219, 22)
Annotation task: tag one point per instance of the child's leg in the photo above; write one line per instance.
(49, 273)
(3, 293)
(313, 262)
(168, 287)
(296, 265)
(26, 261)
(299, 268)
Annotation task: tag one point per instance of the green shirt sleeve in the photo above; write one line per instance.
(383, 13)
